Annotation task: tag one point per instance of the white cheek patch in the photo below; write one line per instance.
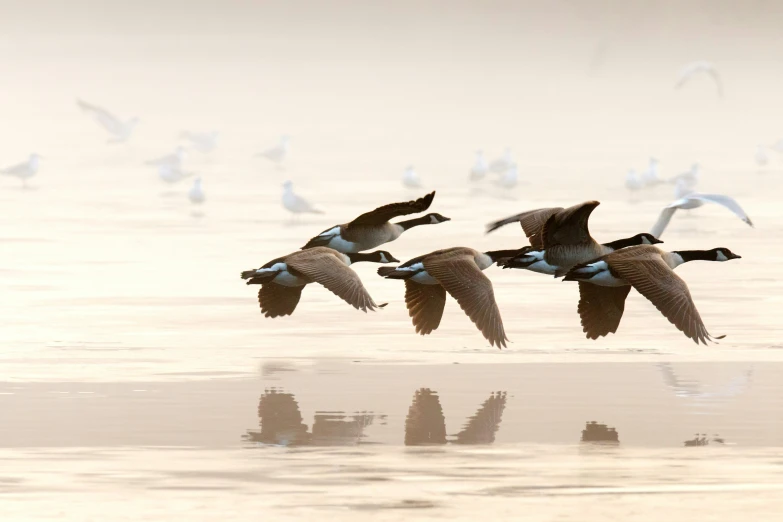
(331, 232)
(277, 267)
(646, 241)
(721, 256)
(383, 258)
(433, 220)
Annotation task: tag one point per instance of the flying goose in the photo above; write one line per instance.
(278, 153)
(695, 200)
(604, 284)
(295, 203)
(458, 272)
(24, 170)
(372, 229)
(700, 67)
(121, 130)
(283, 279)
(480, 167)
(559, 239)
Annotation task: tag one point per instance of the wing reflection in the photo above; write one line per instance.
(693, 389)
(481, 427)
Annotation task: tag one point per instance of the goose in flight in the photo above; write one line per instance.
(283, 279)
(695, 200)
(700, 67)
(120, 130)
(604, 284)
(560, 238)
(24, 170)
(373, 228)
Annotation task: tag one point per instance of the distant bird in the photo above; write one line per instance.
(480, 167)
(410, 178)
(688, 179)
(503, 163)
(295, 203)
(509, 178)
(701, 67)
(283, 279)
(278, 153)
(204, 142)
(650, 176)
(457, 271)
(24, 171)
(777, 146)
(633, 182)
(196, 193)
(173, 160)
(696, 200)
(120, 130)
(761, 156)
(604, 284)
(373, 228)
(171, 174)
(559, 239)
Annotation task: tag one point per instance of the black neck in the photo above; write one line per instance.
(622, 243)
(410, 223)
(502, 254)
(695, 255)
(363, 256)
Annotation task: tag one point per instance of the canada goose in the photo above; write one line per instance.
(121, 130)
(559, 239)
(278, 153)
(695, 200)
(372, 229)
(458, 272)
(480, 167)
(604, 284)
(196, 193)
(25, 170)
(410, 178)
(692, 69)
(295, 203)
(283, 279)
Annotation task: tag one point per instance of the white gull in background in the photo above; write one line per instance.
(25, 170)
(503, 163)
(204, 142)
(172, 174)
(120, 130)
(173, 160)
(278, 153)
(295, 203)
(696, 68)
(633, 182)
(650, 176)
(480, 167)
(689, 178)
(777, 146)
(695, 200)
(410, 178)
(761, 156)
(509, 178)
(196, 193)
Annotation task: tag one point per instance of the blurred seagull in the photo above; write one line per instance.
(503, 163)
(777, 146)
(695, 68)
(204, 142)
(633, 182)
(24, 171)
(173, 160)
(480, 167)
(696, 200)
(509, 178)
(120, 130)
(196, 193)
(689, 178)
(761, 156)
(278, 153)
(296, 204)
(650, 176)
(410, 178)
(172, 174)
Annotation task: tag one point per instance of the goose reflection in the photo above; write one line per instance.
(426, 424)
(282, 424)
(693, 389)
(595, 432)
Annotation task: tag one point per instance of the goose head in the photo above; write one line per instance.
(723, 254)
(436, 218)
(379, 256)
(646, 239)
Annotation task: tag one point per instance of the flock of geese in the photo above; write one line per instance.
(560, 245)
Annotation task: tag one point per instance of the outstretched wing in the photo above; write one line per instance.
(109, 122)
(462, 278)
(425, 305)
(336, 276)
(569, 227)
(383, 214)
(532, 223)
(601, 308)
(726, 201)
(664, 218)
(277, 300)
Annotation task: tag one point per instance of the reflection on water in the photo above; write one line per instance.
(595, 432)
(693, 389)
(700, 439)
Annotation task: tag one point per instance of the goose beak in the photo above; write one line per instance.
(735, 256)
(392, 259)
(656, 241)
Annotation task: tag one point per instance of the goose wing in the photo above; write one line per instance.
(532, 222)
(459, 274)
(326, 269)
(425, 305)
(569, 227)
(726, 201)
(651, 276)
(383, 214)
(277, 300)
(601, 308)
